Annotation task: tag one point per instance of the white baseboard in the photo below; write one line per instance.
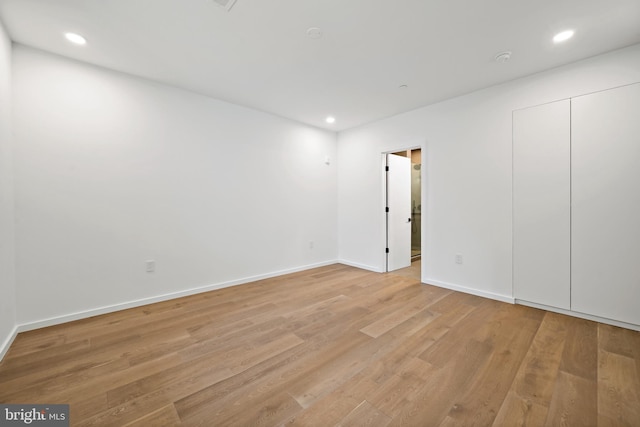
(362, 266)
(580, 315)
(159, 298)
(472, 291)
(4, 347)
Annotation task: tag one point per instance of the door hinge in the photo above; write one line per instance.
(386, 209)
(387, 250)
(386, 168)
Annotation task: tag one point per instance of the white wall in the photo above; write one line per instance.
(7, 260)
(112, 170)
(467, 179)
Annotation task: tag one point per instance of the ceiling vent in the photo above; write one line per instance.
(227, 4)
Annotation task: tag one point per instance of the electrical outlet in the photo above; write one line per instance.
(458, 258)
(150, 265)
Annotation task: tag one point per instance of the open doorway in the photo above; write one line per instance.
(403, 198)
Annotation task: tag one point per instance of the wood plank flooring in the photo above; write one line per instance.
(330, 346)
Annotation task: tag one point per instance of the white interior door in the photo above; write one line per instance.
(605, 234)
(399, 215)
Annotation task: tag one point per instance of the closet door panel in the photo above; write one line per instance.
(541, 204)
(606, 204)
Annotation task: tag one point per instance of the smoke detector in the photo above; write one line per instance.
(314, 33)
(503, 57)
(227, 4)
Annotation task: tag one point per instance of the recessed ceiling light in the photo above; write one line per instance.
(75, 38)
(563, 36)
(314, 33)
(330, 119)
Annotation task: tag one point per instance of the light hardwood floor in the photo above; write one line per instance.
(330, 346)
(412, 271)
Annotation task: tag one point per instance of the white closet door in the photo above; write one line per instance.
(606, 204)
(541, 204)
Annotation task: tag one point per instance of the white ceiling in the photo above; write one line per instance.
(258, 54)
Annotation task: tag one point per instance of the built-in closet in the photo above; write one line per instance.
(576, 204)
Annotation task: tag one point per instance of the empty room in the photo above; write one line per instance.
(319, 212)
